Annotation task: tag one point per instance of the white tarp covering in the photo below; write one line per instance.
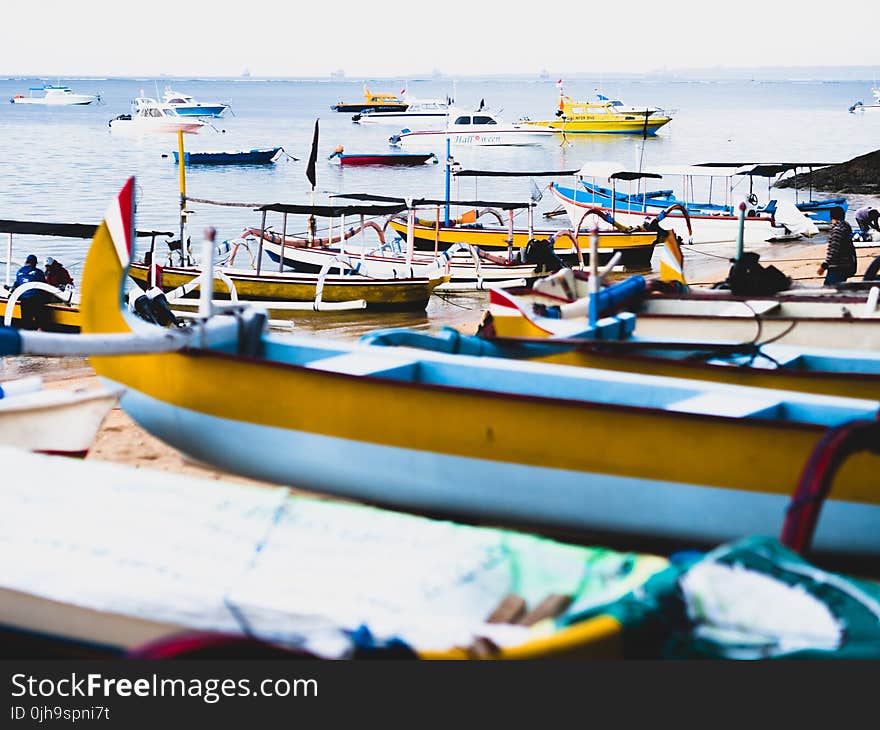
(156, 548)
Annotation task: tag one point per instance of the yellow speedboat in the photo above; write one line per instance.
(605, 116)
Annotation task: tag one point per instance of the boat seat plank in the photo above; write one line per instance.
(723, 404)
(359, 363)
(749, 308)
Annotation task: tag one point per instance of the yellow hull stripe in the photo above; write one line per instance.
(391, 293)
(754, 455)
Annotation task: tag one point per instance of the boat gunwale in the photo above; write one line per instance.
(568, 403)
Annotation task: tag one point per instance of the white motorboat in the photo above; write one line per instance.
(480, 128)
(54, 96)
(148, 115)
(860, 107)
(52, 421)
(187, 106)
(420, 114)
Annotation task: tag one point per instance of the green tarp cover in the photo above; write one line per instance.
(753, 599)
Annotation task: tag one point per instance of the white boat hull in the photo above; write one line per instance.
(437, 482)
(424, 122)
(461, 267)
(72, 100)
(158, 125)
(706, 229)
(512, 137)
(54, 421)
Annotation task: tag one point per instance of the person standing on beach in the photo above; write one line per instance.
(840, 257)
(31, 302)
(868, 218)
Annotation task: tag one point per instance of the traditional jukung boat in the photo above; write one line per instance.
(800, 318)
(289, 408)
(254, 564)
(635, 245)
(61, 312)
(467, 267)
(284, 292)
(710, 222)
(244, 157)
(817, 210)
(394, 160)
(604, 116)
(52, 421)
(373, 102)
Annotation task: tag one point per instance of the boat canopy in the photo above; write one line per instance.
(334, 211)
(612, 171)
(513, 173)
(763, 168)
(63, 230)
(416, 202)
(698, 171)
(772, 169)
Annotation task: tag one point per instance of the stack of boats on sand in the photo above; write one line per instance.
(623, 457)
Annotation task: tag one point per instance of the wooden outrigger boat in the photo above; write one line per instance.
(61, 312)
(802, 318)
(325, 415)
(709, 222)
(284, 292)
(467, 267)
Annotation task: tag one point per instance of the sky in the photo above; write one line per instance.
(379, 38)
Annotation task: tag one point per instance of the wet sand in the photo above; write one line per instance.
(123, 441)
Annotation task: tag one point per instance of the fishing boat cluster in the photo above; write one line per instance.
(681, 471)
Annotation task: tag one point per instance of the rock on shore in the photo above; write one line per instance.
(860, 175)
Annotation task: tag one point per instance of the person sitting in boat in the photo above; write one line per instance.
(57, 275)
(31, 301)
(868, 218)
(840, 257)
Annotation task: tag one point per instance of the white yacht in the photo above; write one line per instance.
(187, 106)
(480, 128)
(148, 115)
(54, 96)
(420, 114)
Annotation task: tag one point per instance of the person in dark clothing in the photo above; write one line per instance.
(867, 218)
(31, 301)
(56, 274)
(840, 257)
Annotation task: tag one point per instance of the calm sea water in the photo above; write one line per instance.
(64, 164)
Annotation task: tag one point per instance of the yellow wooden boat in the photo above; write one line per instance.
(388, 294)
(601, 117)
(373, 102)
(636, 247)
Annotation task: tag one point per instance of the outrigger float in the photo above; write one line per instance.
(669, 446)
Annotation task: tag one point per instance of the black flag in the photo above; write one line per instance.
(313, 156)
